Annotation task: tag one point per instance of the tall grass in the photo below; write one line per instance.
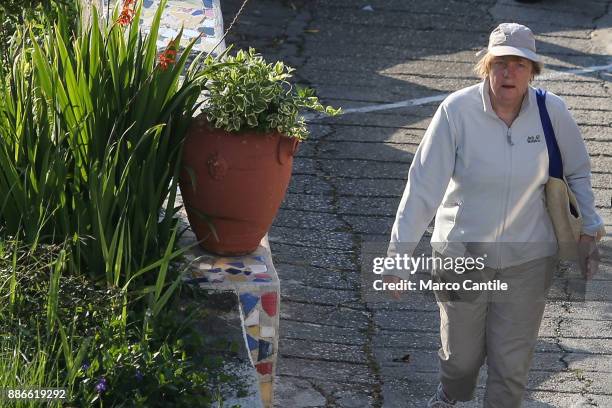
(36, 312)
(16, 370)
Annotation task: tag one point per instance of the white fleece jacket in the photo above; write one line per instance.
(484, 181)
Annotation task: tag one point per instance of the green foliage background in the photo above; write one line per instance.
(14, 13)
(36, 13)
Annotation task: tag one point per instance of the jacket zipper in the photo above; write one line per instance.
(506, 195)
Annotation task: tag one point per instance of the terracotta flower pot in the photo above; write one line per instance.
(237, 181)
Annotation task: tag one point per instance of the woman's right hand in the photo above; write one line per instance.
(588, 256)
(395, 294)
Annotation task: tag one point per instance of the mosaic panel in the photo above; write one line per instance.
(248, 269)
(195, 16)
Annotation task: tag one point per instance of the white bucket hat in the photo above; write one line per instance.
(513, 39)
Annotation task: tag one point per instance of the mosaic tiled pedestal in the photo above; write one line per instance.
(197, 17)
(254, 279)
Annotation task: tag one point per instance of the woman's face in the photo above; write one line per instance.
(509, 79)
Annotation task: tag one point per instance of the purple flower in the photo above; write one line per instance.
(138, 375)
(101, 385)
(85, 366)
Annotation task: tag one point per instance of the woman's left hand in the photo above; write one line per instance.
(588, 256)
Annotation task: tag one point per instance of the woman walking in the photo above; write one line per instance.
(481, 169)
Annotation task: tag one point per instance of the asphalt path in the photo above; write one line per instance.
(389, 63)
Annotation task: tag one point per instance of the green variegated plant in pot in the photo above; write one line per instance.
(238, 154)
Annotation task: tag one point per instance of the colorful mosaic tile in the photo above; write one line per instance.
(253, 331)
(252, 318)
(265, 350)
(252, 343)
(233, 271)
(248, 302)
(265, 388)
(251, 269)
(237, 278)
(267, 331)
(195, 16)
(258, 268)
(264, 368)
(262, 277)
(269, 303)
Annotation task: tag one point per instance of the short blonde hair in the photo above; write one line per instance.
(483, 66)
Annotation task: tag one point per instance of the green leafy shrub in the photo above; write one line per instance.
(38, 14)
(14, 13)
(132, 371)
(31, 275)
(15, 9)
(249, 93)
(62, 331)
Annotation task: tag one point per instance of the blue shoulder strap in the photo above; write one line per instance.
(555, 163)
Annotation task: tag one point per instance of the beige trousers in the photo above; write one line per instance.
(499, 326)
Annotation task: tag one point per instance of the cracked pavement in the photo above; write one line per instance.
(336, 349)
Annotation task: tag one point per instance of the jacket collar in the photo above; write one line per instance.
(528, 101)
